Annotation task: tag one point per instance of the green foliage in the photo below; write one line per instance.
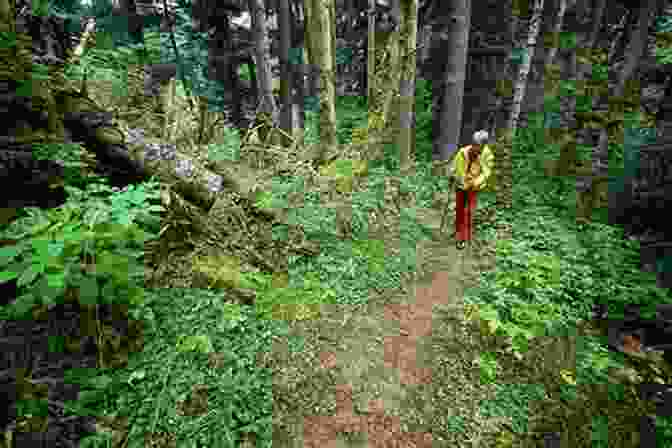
(512, 401)
(229, 150)
(488, 367)
(294, 302)
(344, 55)
(72, 156)
(349, 116)
(664, 431)
(94, 244)
(423, 125)
(663, 47)
(548, 276)
(244, 72)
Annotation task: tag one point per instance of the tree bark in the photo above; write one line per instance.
(504, 156)
(371, 53)
(285, 73)
(615, 43)
(557, 28)
(318, 21)
(504, 89)
(299, 68)
(597, 18)
(332, 37)
(409, 37)
(262, 43)
(456, 21)
(313, 69)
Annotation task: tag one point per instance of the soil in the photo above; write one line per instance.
(394, 372)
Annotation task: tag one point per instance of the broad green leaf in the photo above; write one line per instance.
(41, 248)
(8, 275)
(155, 208)
(30, 274)
(199, 343)
(8, 253)
(56, 280)
(136, 296)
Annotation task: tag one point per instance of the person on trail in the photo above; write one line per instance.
(471, 168)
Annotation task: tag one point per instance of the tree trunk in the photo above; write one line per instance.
(319, 28)
(598, 15)
(312, 66)
(371, 55)
(615, 43)
(557, 28)
(409, 33)
(299, 69)
(332, 39)
(586, 186)
(389, 74)
(504, 88)
(455, 39)
(262, 43)
(384, 85)
(285, 73)
(504, 156)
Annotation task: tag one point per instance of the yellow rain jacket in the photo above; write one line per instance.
(481, 168)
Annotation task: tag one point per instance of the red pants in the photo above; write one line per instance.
(465, 204)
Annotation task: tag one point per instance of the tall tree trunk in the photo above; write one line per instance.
(311, 66)
(409, 38)
(285, 73)
(332, 40)
(267, 105)
(455, 21)
(299, 68)
(389, 74)
(319, 39)
(557, 28)
(615, 43)
(385, 89)
(371, 55)
(504, 87)
(597, 18)
(586, 186)
(504, 153)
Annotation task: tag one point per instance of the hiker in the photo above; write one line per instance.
(471, 168)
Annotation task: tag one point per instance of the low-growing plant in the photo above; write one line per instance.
(292, 302)
(95, 246)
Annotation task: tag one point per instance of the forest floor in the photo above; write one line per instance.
(396, 371)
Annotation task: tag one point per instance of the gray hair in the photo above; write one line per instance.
(481, 137)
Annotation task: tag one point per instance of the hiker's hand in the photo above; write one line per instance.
(468, 183)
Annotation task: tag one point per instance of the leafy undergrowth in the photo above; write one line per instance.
(201, 379)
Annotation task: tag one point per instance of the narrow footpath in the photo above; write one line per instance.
(395, 372)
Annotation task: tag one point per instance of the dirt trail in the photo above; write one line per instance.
(366, 376)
